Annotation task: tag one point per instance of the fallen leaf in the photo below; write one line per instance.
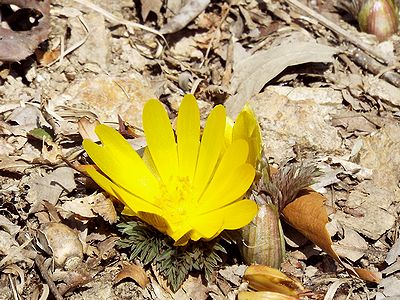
(368, 275)
(105, 208)
(352, 247)
(150, 5)
(187, 13)
(252, 73)
(47, 57)
(80, 206)
(393, 253)
(86, 129)
(9, 226)
(308, 215)
(134, 272)
(13, 164)
(50, 187)
(91, 205)
(17, 45)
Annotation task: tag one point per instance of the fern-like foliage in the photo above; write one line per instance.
(173, 262)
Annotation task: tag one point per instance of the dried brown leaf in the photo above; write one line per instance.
(134, 272)
(253, 72)
(86, 129)
(17, 45)
(150, 5)
(105, 208)
(187, 13)
(308, 215)
(368, 275)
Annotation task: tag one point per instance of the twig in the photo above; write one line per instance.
(339, 30)
(14, 290)
(75, 46)
(224, 16)
(370, 64)
(39, 260)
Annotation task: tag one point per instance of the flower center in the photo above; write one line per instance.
(176, 199)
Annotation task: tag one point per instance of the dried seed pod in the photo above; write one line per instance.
(63, 243)
(263, 241)
(271, 284)
(378, 17)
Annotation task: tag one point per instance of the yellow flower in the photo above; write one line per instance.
(184, 187)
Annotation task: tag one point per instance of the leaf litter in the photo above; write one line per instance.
(315, 99)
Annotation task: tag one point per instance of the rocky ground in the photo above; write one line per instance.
(322, 93)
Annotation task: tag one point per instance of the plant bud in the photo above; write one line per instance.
(378, 17)
(263, 241)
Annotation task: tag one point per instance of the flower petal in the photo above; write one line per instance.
(120, 162)
(154, 220)
(238, 214)
(228, 131)
(128, 212)
(233, 216)
(210, 149)
(148, 160)
(206, 227)
(188, 135)
(246, 127)
(101, 180)
(160, 139)
(235, 156)
(135, 203)
(226, 190)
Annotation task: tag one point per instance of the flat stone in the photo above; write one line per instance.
(380, 152)
(373, 202)
(96, 48)
(319, 95)
(286, 123)
(109, 97)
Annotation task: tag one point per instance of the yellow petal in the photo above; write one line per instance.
(205, 227)
(132, 202)
(120, 162)
(210, 149)
(160, 139)
(183, 240)
(188, 135)
(148, 160)
(235, 156)
(154, 220)
(135, 203)
(246, 127)
(233, 216)
(238, 214)
(182, 235)
(228, 131)
(101, 180)
(228, 189)
(128, 212)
